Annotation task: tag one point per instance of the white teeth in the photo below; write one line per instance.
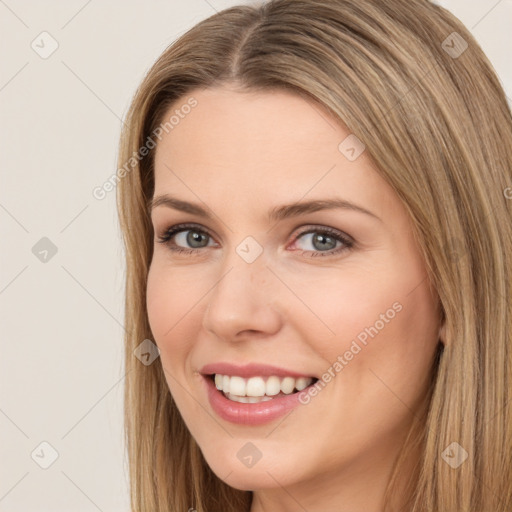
(225, 383)
(257, 389)
(273, 386)
(287, 385)
(248, 399)
(237, 386)
(255, 386)
(301, 383)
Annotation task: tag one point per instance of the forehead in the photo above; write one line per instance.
(272, 146)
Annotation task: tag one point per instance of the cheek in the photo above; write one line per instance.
(404, 358)
(339, 305)
(173, 303)
(379, 321)
(173, 300)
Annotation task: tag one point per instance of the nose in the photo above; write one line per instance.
(243, 302)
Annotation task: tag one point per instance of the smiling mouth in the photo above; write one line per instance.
(259, 389)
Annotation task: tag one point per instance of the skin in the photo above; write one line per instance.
(241, 154)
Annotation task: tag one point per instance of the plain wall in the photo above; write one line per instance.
(61, 367)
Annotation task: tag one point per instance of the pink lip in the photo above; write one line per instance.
(249, 370)
(249, 414)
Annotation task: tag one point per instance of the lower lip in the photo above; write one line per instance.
(249, 414)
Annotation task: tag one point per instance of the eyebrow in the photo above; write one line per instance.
(275, 214)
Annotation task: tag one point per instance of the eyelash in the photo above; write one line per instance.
(334, 233)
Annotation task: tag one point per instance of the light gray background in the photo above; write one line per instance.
(61, 320)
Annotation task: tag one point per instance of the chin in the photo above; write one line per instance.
(241, 467)
(251, 479)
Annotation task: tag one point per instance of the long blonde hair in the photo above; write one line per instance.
(411, 82)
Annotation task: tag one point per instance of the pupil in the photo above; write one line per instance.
(321, 239)
(194, 237)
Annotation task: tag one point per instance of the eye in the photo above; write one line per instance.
(324, 241)
(320, 241)
(184, 234)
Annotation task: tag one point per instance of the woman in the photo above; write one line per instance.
(315, 203)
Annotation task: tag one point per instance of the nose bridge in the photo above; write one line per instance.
(239, 301)
(244, 268)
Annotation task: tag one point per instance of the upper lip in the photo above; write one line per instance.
(250, 370)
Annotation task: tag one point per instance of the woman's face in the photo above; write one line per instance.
(323, 292)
